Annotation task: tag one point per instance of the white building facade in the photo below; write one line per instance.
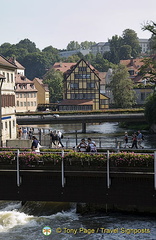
(8, 70)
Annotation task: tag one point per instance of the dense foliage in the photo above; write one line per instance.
(122, 159)
(122, 87)
(149, 69)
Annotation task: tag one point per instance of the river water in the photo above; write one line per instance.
(105, 134)
(17, 222)
(66, 225)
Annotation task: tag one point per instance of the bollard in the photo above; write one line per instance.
(76, 136)
(67, 143)
(62, 168)
(108, 175)
(155, 170)
(99, 142)
(18, 174)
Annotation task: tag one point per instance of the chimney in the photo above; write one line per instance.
(131, 61)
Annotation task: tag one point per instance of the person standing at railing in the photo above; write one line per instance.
(82, 146)
(91, 147)
(35, 147)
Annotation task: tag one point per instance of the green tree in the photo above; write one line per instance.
(150, 109)
(86, 44)
(129, 37)
(115, 45)
(35, 65)
(73, 45)
(73, 58)
(101, 64)
(54, 79)
(27, 44)
(122, 87)
(149, 68)
(125, 52)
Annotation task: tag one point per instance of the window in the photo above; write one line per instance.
(21, 103)
(20, 95)
(28, 103)
(6, 125)
(17, 95)
(31, 103)
(12, 77)
(17, 103)
(7, 77)
(104, 101)
(131, 72)
(74, 85)
(25, 104)
(82, 69)
(34, 94)
(25, 95)
(13, 123)
(91, 85)
(82, 76)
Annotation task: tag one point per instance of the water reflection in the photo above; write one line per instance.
(105, 134)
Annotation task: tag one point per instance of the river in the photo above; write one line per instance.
(66, 225)
(17, 222)
(105, 134)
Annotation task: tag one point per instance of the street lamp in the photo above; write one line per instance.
(1, 82)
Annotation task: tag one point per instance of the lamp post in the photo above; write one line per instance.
(1, 82)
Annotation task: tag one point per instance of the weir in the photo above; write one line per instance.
(86, 183)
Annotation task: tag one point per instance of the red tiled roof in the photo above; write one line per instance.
(76, 102)
(22, 79)
(62, 67)
(132, 63)
(4, 62)
(14, 61)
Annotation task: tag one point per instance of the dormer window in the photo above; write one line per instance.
(131, 72)
(32, 86)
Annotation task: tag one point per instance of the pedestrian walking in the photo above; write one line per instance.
(20, 133)
(126, 140)
(25, 133)
(52, 138)
(140, 139)
(134, 140)
(60, 136)
(30, 133)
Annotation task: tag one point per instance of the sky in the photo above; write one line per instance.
(57, 22)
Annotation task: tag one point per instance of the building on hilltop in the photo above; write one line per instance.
(8, 71)
(81, 87)
(103, 47)
(67, 54)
